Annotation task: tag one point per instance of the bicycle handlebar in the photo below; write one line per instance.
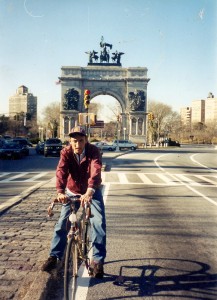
(71, 199)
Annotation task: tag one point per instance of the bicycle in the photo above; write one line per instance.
(78, 243)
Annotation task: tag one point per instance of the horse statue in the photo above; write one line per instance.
(104, 45)
(92, 56)
(104, 56)
(117, 57)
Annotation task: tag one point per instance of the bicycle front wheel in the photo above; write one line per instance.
(87, 239)
(71, 270)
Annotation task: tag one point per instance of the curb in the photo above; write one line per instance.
(40, 287)
(22, 196)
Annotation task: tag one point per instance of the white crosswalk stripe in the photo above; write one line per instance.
(166, 179)
(13, 178)
(207, 179)
(159, 179)
(144, 178)
(187, 180)
(36, 177)
(115, 177)
(25, 176)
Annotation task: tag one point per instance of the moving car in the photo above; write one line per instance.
(125, 144)
(52, 147)
(11, 150)
(24, 143)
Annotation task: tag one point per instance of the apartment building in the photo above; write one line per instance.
(185, 114)
(211, 109)
(201, 111)
(198, 111)
(23, 102)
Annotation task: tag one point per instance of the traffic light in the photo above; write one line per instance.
(86, 98)
(150, 116)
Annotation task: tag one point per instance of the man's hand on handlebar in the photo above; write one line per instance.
(87, 197)
(62, 198)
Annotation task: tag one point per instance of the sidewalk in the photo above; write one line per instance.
(25, 236)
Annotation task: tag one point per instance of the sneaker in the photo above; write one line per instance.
(96, 269)
(49, 264)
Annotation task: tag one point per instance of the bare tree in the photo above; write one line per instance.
(162, 118)
(51, 118)
(94, 108)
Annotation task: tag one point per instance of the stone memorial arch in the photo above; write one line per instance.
(127, 85)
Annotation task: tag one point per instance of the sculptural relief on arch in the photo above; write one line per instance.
(127, 85)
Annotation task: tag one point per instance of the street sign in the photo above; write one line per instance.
(86, 119)
(98, 124)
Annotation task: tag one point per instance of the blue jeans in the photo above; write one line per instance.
(98, 228)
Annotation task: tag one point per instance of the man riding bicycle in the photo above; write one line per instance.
(79, 173)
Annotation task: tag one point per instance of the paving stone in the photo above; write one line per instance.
(25, 238)
(6, 295)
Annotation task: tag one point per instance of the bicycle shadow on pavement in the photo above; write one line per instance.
(162, 277)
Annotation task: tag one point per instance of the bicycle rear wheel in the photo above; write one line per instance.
(70, 270)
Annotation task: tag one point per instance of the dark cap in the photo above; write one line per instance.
(78, 130)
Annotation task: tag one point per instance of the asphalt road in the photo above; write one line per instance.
(20, 177)
(161, 219)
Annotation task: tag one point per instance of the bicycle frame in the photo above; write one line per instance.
(76, 224)
(77, 250)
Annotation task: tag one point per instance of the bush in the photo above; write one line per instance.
(34, 140)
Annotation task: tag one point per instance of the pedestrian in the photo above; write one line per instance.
(79, 173)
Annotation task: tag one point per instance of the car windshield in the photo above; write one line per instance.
(19, 141)
(53, 141)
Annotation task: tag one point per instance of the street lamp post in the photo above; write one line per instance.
(124, 132)
(41, 134)
(118, 136)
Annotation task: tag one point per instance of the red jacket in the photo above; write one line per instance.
(77, 178)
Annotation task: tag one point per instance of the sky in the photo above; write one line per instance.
(175, 39)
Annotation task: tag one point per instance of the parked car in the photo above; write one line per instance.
(52, 147)
(169, 142)
(23, 143)
(40, 148)
(125, 144)
(2, 141)
(11, 150)
(105, 146)
(174, 143)
(7, 137)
